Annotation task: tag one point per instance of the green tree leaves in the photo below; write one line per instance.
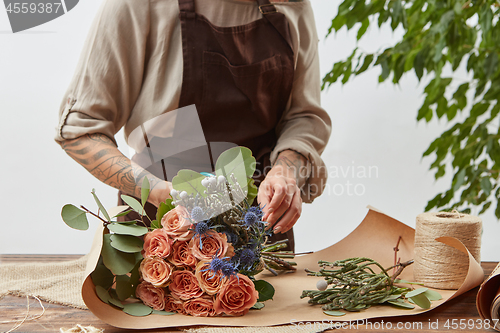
(439, 34)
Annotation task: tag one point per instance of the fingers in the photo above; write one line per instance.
(291, 215)
(281, 200)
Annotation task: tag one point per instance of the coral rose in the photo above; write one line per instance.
(155, 271)
(173, 304)
(213, 245)
(182, 256)
(200, 307)
(185, 285)
(157, 244)
(176, 223)
(210, 282)
(150, 295)
(236, 296)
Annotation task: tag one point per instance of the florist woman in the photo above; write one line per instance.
(251, 69)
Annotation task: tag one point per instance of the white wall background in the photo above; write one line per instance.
(373, 126)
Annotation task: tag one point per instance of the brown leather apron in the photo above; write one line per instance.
(240, 79)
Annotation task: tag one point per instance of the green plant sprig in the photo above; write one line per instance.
(355, 285)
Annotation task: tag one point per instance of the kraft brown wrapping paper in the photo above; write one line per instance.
(375, 237)
(488, 297)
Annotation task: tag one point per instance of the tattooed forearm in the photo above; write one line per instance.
(295, 164)
(98, 154)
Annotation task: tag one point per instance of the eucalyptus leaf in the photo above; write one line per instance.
(135, 275)
(124, 287)
(102, 294)
(265, 290)
(126, 243)
(116, 303)
(145, 191)
(124, 213)
(125, 229)
(102, 276)
(258, 306)
(74, 217)
(401, 304)
(113, 212)
(390, 298)
(239, 162)
(421, 300)
(408, 282)
(189, 181)
(334, 313)
(137, 309)
(117, 262)
(163, 313)
(134, 204)
(433, 295)
(416, 292)
(101, 207)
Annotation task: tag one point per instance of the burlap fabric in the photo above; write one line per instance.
(58, 282)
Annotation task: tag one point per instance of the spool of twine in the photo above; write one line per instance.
(438, 265)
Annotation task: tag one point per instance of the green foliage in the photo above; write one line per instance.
(74, 217)
(145, 191)
(258, 306)
(441, 35)
(334, 313)
(126, 243)
(265, 289)
(164, 208)
(134, 204)
(128, 229)
(137, 309)
(101, 207)
(116, 261)
(239, 162)
(189, 181)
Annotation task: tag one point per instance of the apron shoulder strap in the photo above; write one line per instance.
(278, 20)
(186, 6)
(265, 7)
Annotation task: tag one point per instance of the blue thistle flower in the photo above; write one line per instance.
(219, 265)
(197, 214)
(201, 228)
(250, 219)
(228, 269)
(257, 211)
(247, 257)
(216, 264)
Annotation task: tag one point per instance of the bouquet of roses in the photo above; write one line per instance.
(201, 253)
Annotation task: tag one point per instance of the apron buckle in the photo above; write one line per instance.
(268, 12)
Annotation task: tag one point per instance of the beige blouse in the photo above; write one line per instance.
(130, 71)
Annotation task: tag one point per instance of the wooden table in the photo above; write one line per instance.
(461, 310)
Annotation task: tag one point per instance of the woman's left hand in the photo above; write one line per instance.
(279, 194)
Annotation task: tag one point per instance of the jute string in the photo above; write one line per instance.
(438, 265)
(26, 318)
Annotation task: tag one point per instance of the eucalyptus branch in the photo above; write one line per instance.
(91, 213)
